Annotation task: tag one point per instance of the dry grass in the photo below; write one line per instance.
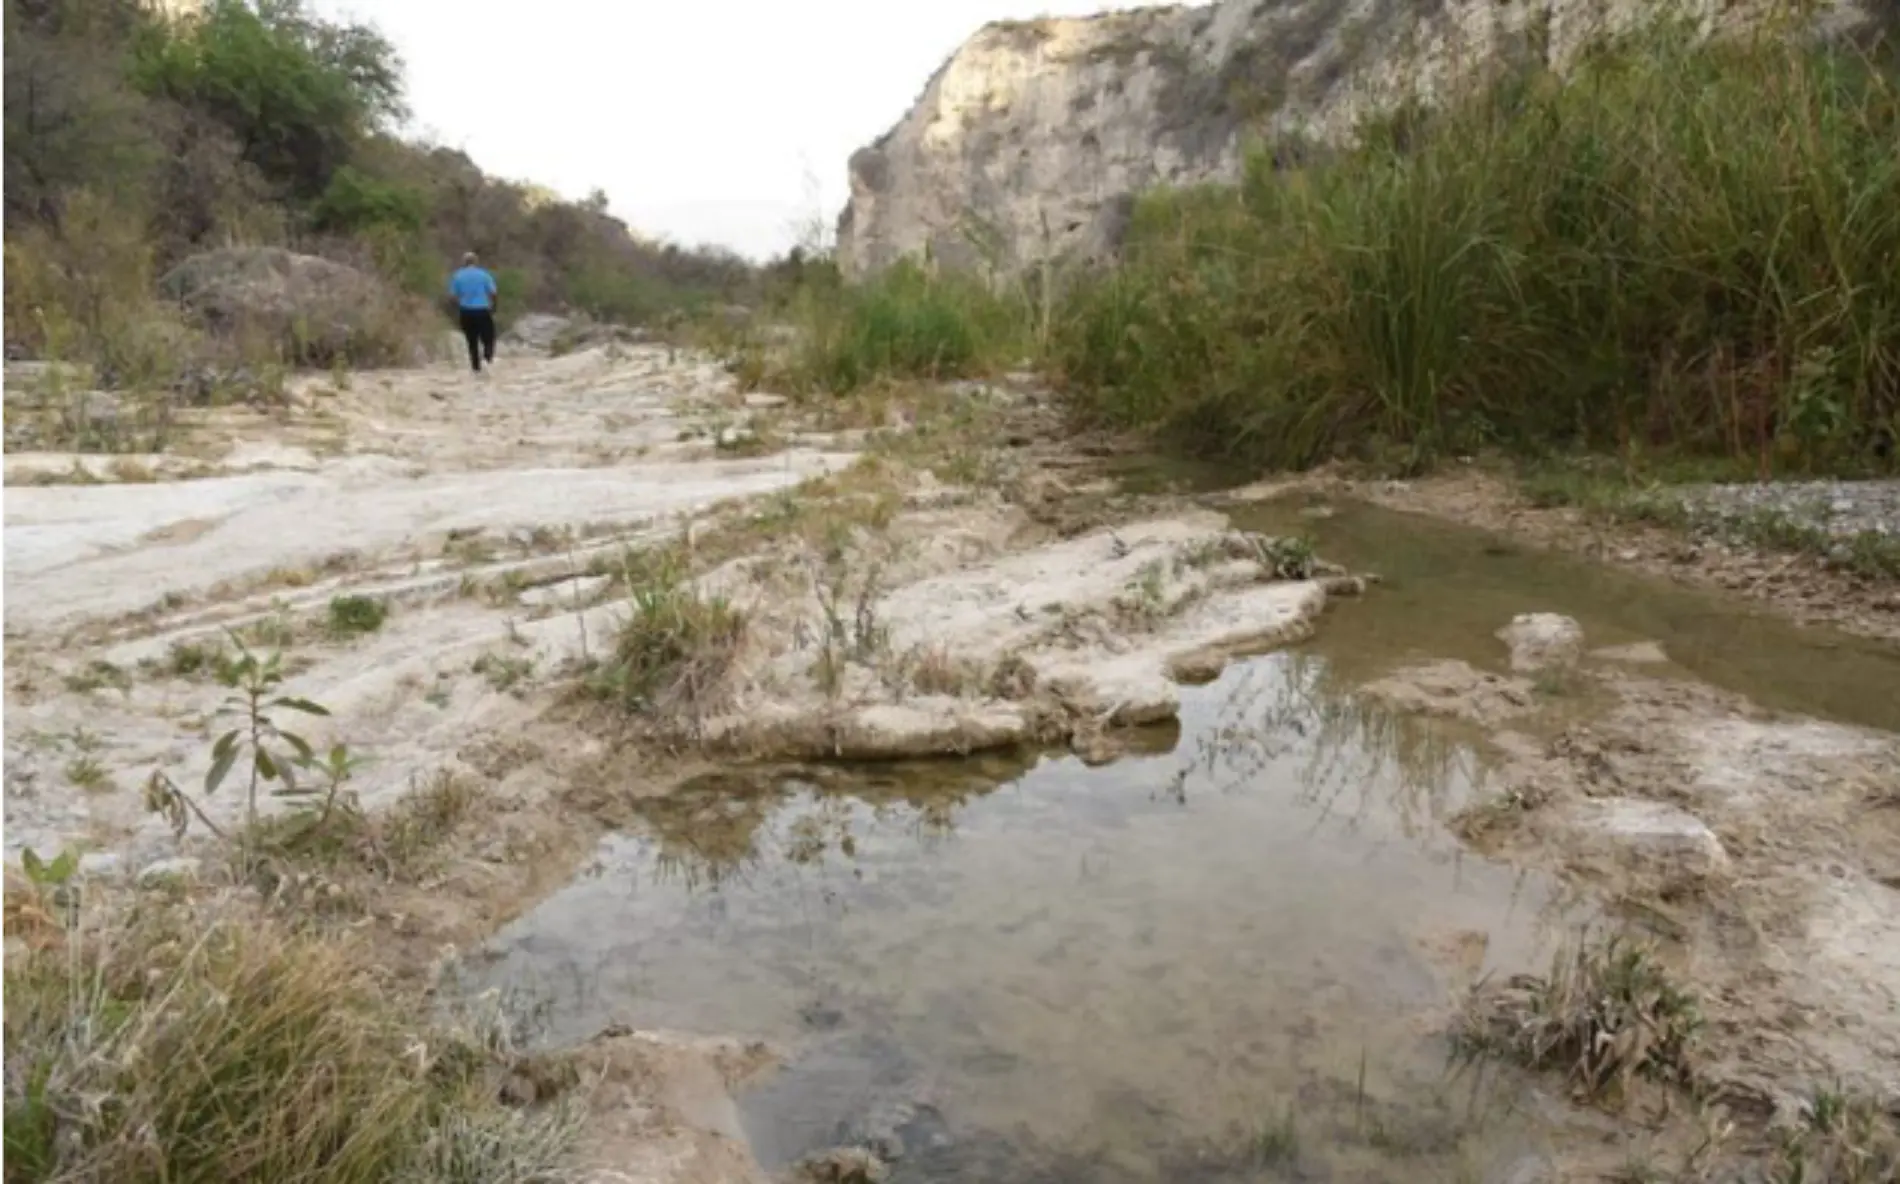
(166, 1043)
(1841, 1139)
(403, 844)
(671, 657)
(1606, 1015)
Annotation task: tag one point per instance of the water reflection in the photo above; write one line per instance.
(1350, 755)
(1295, 703)
(1030, 966)
(713, 830)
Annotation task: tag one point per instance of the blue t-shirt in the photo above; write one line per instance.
(472, 287)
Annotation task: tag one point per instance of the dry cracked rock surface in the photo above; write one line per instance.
(443, 562)
(1763, 848)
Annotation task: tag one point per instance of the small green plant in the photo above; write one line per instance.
(275, 631)
(56, 874)
(186, 659)
(1842, 1139)
(46, 907)
(271, 756)
(86, 772)
(859, 637)
(1288, 558)
(352, 616)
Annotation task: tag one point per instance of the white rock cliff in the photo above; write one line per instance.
(1032, 140)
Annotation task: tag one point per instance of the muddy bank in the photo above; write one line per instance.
(1802, 587)
(1760, 847)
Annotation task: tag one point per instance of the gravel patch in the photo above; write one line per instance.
(1842, 509)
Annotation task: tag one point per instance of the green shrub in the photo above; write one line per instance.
(299, 92)
(354, 202)
(352, 615)
(1683, 246)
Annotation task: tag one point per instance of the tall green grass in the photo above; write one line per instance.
(1683, 246)
(907, 322)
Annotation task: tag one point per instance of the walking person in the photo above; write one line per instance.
(476, 296)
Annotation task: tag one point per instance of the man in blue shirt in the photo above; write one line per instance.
(475, 294)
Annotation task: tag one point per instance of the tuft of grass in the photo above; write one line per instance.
(671, 656)
(192, 659)
(1277, 1143)
(1682, 245)
(1841, 1139)
(403, 843)
(1606, 1015)
(86, 772)
(236, 1048)
(353, 616)
(97, 675)
(507, 673)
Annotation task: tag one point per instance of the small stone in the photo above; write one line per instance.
(1641, 653)
(578, 591)
(846, 1165)
(178, 867)
(1531, 1169)
(1542, 640)
(1649, 838)
(101, 865)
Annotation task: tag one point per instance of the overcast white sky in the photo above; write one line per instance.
(723, 121)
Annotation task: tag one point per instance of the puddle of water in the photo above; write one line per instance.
(1448, 589)
(1224, 960)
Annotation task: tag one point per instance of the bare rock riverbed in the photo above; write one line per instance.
(449, 564)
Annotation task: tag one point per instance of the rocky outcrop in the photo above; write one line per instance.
(315, 309)
(1032, 140)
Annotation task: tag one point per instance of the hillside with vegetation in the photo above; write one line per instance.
(136, 141)
(1677, 249)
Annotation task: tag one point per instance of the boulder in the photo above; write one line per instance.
(317, 310)
(1542, 641)
(537, 330)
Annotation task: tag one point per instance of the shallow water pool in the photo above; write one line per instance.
(1224, 958)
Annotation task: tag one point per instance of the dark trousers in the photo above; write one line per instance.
(478, 326)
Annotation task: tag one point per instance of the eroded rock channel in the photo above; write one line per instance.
(889, 792)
